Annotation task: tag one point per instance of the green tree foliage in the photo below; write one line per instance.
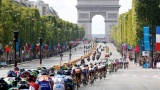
(130, 24)
(53, 30)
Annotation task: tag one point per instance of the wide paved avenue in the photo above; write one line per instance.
(133, 78)
(49, 62)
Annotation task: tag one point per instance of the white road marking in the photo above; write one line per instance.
(124, 75)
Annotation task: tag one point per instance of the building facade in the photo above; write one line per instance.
(43, 8)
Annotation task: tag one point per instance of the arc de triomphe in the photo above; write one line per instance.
(87, 9)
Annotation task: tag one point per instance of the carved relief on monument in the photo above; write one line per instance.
(112, 15)
(84, 26)
(83, 15)
(92, 14)
(111, 26)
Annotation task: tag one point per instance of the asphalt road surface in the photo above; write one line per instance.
(133, 78)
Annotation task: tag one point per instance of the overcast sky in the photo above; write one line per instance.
(67, 11)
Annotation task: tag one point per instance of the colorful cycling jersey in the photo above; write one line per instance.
(9, 80)
(84, 71)
(103, 66)
(99, 66)
(91, 70)
(59, 81)
(44, 82)
(69, 81)
(33, 86)
(72, 69)
(95, 66)
(77, 70)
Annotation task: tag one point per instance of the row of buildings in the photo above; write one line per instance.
(44, 9)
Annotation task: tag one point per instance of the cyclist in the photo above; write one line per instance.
(51, 71)
(3, 84)
(24, 74)
(100, 69)
(69, 79)
(121, 63)
(59, 81)
(21, 71)
(31, 79)
(44, 81)
(23, 85)
(61, 70)
(95, 71)
(104, 69)
(116, 65)
(11, 73)
(82, 61)
(88, 58)
(85, 72)
(77, 73)
(91, 72)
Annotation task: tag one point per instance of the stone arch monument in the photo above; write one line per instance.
(87, 9)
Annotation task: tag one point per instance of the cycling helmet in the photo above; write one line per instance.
(3, 84)
(59, 72)
(23, 85)
(30, 71)
(52, 68)
(16, 69)
(24, 74)
(31, 78)
(44, 72)
(39, 68)
(95, 64)
(51, 73)
(15, 81)
(65, 68)
(78, 65)
(43, 68)
(61, 67)
(11, 74)
(67, 72)
(34, 73)
(75, 65)
(22, 70)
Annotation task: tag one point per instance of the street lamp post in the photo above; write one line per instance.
(61, 55)
(70, 53)
(151, 43)
(40, 41)
(84, 49)
(15, 40)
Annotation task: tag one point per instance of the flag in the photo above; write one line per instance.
(55, 46)
(124, 46)
(137, 48)
(157, 48)
(58, 46)
(42, 47)
(7, 48)
(146, 38)
(128, 47)
(50, 47)
(32, 47)
(37, 47)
